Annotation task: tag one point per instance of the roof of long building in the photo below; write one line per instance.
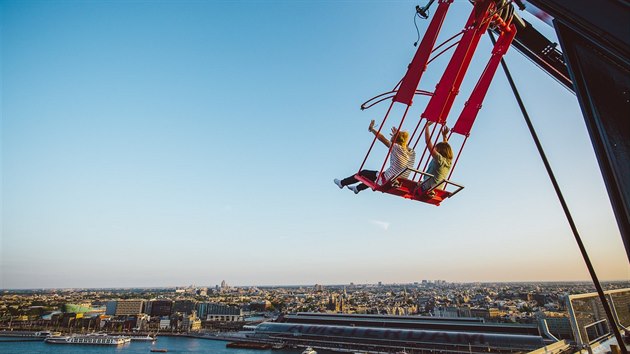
(397, 336)
(475, 325)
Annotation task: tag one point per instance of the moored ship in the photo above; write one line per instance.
(147, 338)
(90, 339)
(248, 345)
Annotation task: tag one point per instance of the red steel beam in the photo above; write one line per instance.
(419, 62)
(473, 105)
(448, 87)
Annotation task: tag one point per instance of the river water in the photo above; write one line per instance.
(173, 344)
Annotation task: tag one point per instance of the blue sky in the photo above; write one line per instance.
(186, 142)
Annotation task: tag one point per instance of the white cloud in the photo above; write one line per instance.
(382, 224)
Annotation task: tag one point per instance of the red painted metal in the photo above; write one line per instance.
(461, 148)
(473, 105)
(448, 87)
(426, 149)
(407, 189)
(419, 63)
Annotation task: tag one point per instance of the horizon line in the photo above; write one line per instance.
(312, 285)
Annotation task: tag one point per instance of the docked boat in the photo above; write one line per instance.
(309, 350)
(146, 338)
(248, 345)
(156, 350)
(44, 334)
(90, 339)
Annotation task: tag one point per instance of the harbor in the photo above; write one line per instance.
(171, 344)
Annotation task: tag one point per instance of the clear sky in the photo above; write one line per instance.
(162, 143)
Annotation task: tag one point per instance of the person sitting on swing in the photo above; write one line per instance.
(440, 165)
(401, 157)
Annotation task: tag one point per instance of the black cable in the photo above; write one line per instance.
(415, 16)
(578, 239)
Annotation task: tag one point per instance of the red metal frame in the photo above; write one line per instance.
(419, 63)
(473, 105)
(441, 101)
(448, 87)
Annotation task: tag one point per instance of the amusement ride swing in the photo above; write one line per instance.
(496, 14)
(485, 13)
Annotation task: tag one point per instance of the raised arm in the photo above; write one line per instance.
(445, 131)
(427, 138)
(380, 136)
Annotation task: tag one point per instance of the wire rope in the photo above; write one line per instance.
(578, 239)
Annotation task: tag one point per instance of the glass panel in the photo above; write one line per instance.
(588, 311)
(621, 305)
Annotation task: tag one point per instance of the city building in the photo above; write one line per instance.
(165, 323)
(262, 305)
(485, 313)
(110, 307)
(185, 307)
(160, 307)
(223, 313)
(191, 323)
(129, 307)
(386, 333)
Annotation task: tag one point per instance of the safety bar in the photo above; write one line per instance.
(445, 181)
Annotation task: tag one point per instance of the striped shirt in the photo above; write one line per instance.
(399, 159)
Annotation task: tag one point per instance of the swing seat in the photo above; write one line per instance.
(410, 189)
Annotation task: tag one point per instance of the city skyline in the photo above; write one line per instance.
(296, 286)
(152, 144)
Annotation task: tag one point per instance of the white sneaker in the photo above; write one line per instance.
(338, 183)
(354, 189)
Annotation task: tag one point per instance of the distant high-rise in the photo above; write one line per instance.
(160, 307)
(110, 307)
(202, 309)
(129, 307)
(224, 313)
(185, 307)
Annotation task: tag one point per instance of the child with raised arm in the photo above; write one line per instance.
(401, 157)
(442, 158)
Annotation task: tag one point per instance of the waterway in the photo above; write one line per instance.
(173, 344)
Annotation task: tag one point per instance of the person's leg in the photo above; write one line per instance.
(350, 180)
(423, 187)
(369, 174)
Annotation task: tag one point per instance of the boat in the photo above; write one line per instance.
(44, 334)
(309, 350)
(146, 338)
(90, 339)
(156, 350)
(248, 345)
